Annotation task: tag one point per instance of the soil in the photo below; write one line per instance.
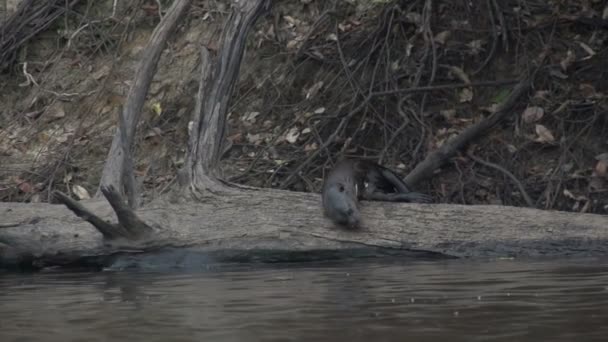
(307, 65)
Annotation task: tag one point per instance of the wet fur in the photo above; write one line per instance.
(351, 181)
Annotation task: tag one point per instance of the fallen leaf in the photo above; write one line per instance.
(533, 114)
(157, 108)
(567, 60)
(103, 72)
(476, 46)
(250, 117)
(154, 132)
(544, 134)
(254, 138)
(311, 147)
(448, 114)
(290, 20)
(466, 95)
(442, 37)
(461, 74)
(314, 90)
(332, 37)
(292, 135)
(320, 110)
(292, 44)
(80, 192)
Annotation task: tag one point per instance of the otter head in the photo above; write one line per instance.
(340, 203)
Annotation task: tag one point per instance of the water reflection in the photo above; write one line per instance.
(348, 301)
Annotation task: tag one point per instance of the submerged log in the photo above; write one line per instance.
(281, 224)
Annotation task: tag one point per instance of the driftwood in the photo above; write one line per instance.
(227, 221)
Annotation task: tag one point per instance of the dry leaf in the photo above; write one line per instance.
(332, 37)
(250, 117)
(292, 135)
(80, 192)
(254, 138)
(544, 134)
(466, 95)
(311, 147)
(568, 60)
(448, 114)
(290, 20)
(103, 72)
(442, 37)
(533, 114)
(157, 108)
(461, 74)
(314, 90)
(476, 46)
(292, 44)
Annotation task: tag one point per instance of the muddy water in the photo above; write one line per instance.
(396, 300)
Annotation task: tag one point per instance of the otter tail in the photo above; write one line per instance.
(403, 192)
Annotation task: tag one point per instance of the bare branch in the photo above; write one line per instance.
(108, 230)
(434, 160)
(114, 168)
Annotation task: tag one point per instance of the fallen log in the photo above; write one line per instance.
(280, 225)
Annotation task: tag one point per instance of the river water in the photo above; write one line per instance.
(351, 300)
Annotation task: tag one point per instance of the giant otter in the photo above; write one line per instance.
(353, 180)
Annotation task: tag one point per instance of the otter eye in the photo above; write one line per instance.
(341, 188)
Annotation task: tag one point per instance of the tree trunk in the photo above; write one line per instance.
(118, 168)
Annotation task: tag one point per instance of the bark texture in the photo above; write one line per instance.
(281, 223)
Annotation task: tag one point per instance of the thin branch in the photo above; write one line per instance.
(433, 161)
(108, 230)
(520, 186)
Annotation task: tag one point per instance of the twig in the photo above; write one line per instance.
(524, 194)
(362, 105)
(448, 149)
